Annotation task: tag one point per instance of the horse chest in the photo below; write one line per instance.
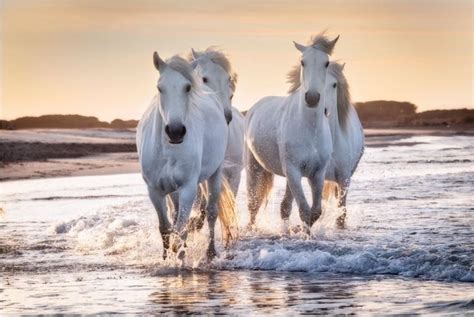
(167, 174)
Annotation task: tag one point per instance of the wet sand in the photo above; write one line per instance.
(23, 156)
(101, 164)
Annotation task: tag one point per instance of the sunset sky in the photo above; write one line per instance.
(95, 57)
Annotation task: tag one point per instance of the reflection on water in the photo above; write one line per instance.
(92, 245)
(218, 292)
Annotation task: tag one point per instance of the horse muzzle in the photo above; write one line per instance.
(312, 99)
(175, 132)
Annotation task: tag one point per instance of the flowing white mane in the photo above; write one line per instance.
(343, 93)
(219, 58)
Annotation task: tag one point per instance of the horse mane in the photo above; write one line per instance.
(182, 66)
(322, 43)
(218, 57)
(319, 42)
(343, 93)
(293, 78)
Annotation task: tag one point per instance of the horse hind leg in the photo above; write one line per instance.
(259, 184)
(233, 175)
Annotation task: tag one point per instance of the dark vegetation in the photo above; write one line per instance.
(393, 114)
(11, 152)
(72, 121)
(373, 114)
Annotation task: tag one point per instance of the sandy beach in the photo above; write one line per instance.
(39, 153)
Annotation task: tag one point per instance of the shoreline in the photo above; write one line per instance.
(63, 159)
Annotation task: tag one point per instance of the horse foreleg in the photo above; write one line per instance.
(286, 204)
(187, 194)
(197, 222)
(175, 199)
(159, 202)
(341, 220)
(214, 185)
(317, 184)
(293, 176)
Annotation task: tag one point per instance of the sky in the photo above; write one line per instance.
(95, 57)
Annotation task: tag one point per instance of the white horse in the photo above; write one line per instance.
(280, 136)
(181, 142)
(214, 70)
(347, 140)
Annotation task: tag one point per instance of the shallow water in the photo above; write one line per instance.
(91, 244)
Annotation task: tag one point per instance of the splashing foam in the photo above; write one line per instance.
(128, 234)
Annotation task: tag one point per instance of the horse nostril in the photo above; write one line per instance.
(228, 117)
(167, 130)
(318, 96)
(183, 131)
(306, 96)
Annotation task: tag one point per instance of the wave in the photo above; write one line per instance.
(132, 237)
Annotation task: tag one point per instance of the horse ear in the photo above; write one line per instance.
(300, 47)
(194, 63)
(333, 43)
(159, 63)
(194, 54)
(342, 66)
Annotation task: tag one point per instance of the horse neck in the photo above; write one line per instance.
(334, 124)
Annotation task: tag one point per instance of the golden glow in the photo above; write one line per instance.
(94, 58)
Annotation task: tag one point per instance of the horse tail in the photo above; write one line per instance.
(227, 213)
(330, 189)
(267, 194)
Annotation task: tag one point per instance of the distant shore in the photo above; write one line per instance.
(102, 151)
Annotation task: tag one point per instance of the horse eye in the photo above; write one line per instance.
(334, 85)
(159, 89)
(327, 64)
(188, 88)
(232, 96)
(204, 80)
(302, 64)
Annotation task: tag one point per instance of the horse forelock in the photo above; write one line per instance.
(218, 57)
(343, 93)
(179, 64)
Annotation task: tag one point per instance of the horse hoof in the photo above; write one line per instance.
(177, 243)
(251, 227)
(306, 229)
(285, 228)
(340, 224)
(211, 254)
(195, 224)
(315, 217)
(181, 254)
